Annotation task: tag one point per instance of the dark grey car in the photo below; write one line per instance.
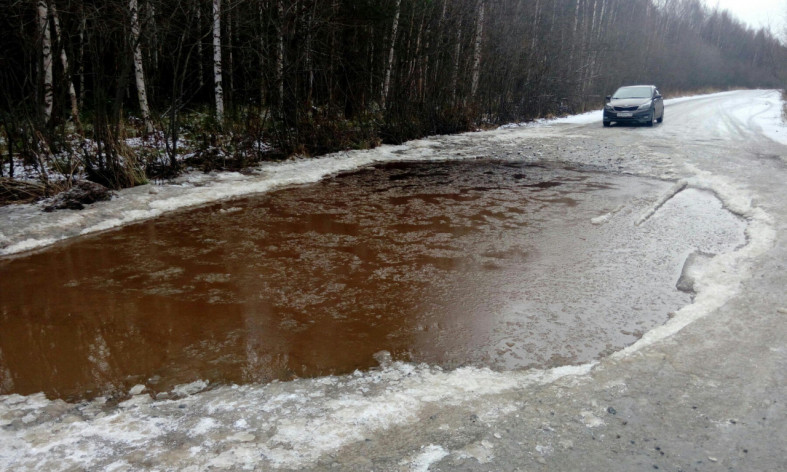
(634, 104)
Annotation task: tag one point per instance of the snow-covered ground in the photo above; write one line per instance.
(307, 423)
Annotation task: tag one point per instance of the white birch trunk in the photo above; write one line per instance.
(479, 33)
(389, 65)
(72, 93)
(139, 72)
(46, 59)
(219, 91)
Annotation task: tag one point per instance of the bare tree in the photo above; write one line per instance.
(479, 33)
(72, 94)
(139, 71)
(391, 49)
(46, 59)
(280, 59)
(217, 82)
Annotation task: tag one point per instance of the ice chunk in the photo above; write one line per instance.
(693, 268)
(190, 388)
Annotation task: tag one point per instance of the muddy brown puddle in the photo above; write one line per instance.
(482, 263)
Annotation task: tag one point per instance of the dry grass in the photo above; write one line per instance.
(784, 105)
(20, 191)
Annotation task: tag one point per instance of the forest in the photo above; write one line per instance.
(124, 91)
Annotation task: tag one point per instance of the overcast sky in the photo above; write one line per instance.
(756, 13)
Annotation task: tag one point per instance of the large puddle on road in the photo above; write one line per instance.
(482, 263)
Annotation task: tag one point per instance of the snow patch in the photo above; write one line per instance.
(428, 456)
(278, 425)
(676, 189)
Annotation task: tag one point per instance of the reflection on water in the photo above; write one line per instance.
(483, 263)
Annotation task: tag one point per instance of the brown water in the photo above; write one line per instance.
(482, 263)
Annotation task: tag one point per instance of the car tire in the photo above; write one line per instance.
(650, 121)
(661, 118)
(606, 124)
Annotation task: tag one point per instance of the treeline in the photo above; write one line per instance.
(254, 79)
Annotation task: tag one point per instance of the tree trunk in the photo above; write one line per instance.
(479, 32)
(200, 55)
(455, 72)
(72, 93)
(219, 92)
(261, 20)
(280, 60)
(229, 94)
(309, 14)
(81, 71)
(46, 59)
(139, 72)
(332, 68)
(389, 65)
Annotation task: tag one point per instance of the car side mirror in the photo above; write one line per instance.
(609, 97)
(658, 97)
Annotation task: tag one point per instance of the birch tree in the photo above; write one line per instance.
(72, 94)
(139, 72)
(479, 33)
(218, 90)
(389, 63)
(46, 59)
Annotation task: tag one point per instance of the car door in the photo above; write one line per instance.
(658, 102)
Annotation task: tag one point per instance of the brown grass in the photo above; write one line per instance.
(20, 191)
(784, 105)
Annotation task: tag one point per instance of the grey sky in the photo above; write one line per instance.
(756, 13)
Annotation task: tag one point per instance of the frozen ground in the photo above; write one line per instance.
(703, 392)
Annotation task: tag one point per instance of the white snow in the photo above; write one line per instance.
(284, 423)
(429, 455)
(768, 116)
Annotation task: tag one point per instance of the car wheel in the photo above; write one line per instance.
(661, 118)
(650, 121)
(606, 124)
